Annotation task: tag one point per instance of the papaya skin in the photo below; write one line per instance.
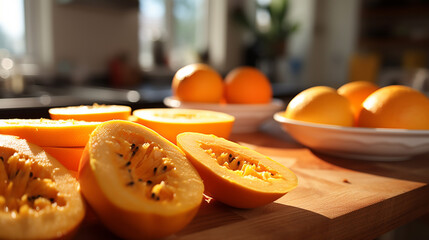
(227, 186)
(122, 221)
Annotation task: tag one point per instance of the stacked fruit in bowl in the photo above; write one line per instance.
(362, 104)
(245, 93)
(360, 119)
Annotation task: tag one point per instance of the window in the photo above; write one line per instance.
(173, 33)
(12, 27)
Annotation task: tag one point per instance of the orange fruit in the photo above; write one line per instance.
(356, 92)
(234, 174)
(49, 133)
(69, 157)
(140, 185)
(197, 83)
(320, 104)
(247, 85)
(395, 106)
(93, 113)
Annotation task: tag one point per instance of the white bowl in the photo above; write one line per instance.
(248, 117)
(377, 144)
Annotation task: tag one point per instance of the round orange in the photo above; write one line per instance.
(197, 83)
(395, 106)
(320, 104)
(247, 85)
(356, 92)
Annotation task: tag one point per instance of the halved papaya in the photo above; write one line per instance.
(138, 183)
(69, 157)
(236, 175)
(169, 121)
(39, 199)
(49, 133)
(91, 113)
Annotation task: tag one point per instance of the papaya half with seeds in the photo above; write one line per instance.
(139, 184)
(39, 199)
(236, 175)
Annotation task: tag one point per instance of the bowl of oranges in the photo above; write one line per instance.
(360, 120)
(244, 93)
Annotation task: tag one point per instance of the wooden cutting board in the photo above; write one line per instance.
(335, 199)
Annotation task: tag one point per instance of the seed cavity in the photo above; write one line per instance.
(144, 167)
(32, 198)
(26, 187)
(134, 151)
(240, 163)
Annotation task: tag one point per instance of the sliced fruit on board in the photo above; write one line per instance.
(39, 199)
(91, 113)
(138, 183)
(49, 133)
(169, 121)
(236, 175)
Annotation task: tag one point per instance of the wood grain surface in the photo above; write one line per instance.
(335, 198)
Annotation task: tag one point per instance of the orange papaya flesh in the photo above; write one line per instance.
(169, 122)
(49, 133)
(91, 113)
(67, 156)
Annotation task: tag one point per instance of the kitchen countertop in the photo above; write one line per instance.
(336, 198)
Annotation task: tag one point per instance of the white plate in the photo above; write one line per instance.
(377, 144)
(248, 117)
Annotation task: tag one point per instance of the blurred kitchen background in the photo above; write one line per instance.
(72, 52)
